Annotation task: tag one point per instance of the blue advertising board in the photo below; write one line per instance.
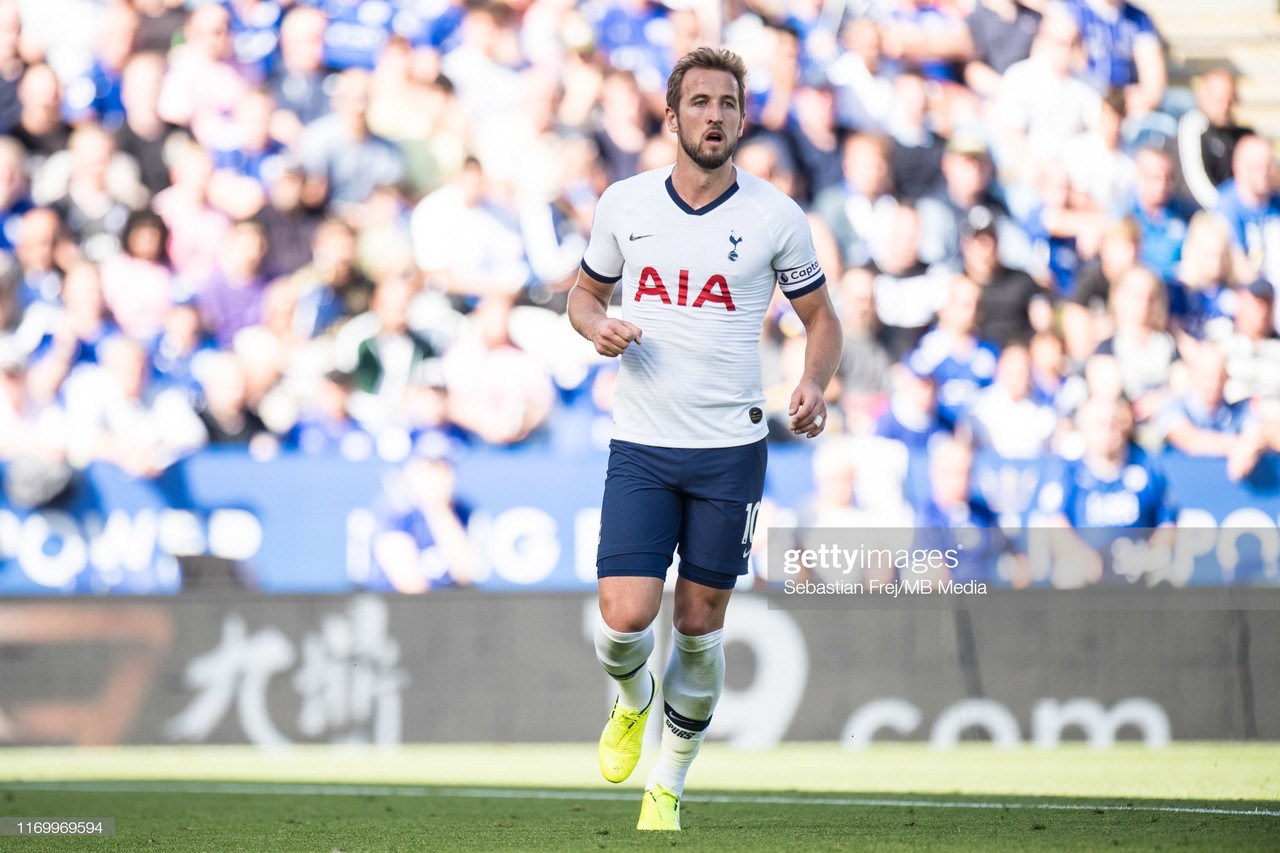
(306, 524)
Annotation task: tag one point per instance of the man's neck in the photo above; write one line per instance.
(696, 186)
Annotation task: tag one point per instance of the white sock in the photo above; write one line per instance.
(623, 656)
(690, 688)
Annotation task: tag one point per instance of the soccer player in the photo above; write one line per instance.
(698, 248)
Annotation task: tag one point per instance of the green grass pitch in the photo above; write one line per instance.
(1211, 797)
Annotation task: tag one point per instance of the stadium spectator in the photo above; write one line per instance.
(159, 23)
(40, 127)
(1086, 315)
(1062, 225)
(231, 298)
(466, 241)
(858, 211)
(255, 33)
(343, 160)
(1204, 294)
(15, 193)
(137, 281)
(912, 417)
(1252, 347)
(1051, 378)
(928, 35)
(1041, 102)
(298, 80)
(246, 157)
(74, 334)
(204, 82)
(402, 109)
(1162, 216)
(815, 137)
(12, 65)
(1202, 423)
(917, 150)
(35, 275)
(331, 287)
(864, 369)
(1115, 489)
(1001, 32)
(385, 356)
(951, 352)
(1141, 347)
(98, 194)
(115, 415)
(967, 183)
(288, 224)
(1207, 137)
(1008, 417)
(481, 67)
(1250, 204)
(145, 136)
(497, 391)
(623, 126)
(1011, 303)
(1100, 166)
(908, 291)
(422, 540)
(224, 408)
(1122, 49)
(196, 227)
(325, 425)
(862, 79)
(950, 518)
(94, 95)
(175, 354)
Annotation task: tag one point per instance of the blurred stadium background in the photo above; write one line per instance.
(291, 418)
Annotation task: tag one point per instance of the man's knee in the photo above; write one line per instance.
(626, 617)
(699, 610)
(629, 604)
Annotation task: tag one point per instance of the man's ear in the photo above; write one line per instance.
(670, 121)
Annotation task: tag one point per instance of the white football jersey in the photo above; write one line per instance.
(697, 283)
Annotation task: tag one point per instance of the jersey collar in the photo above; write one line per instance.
(706, 208)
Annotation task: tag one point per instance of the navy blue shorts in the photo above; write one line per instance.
(702, 501)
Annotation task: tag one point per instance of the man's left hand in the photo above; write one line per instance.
(808, 410)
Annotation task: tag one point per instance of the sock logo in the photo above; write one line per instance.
(679, 732)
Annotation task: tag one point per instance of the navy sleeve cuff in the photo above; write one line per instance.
(607, 279)
(808, 288)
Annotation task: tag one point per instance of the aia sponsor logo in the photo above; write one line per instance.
(715, 290)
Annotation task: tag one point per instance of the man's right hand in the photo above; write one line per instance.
(611, 336)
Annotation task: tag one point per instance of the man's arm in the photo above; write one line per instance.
(588, 304)
(1146, 95)
(823, 342)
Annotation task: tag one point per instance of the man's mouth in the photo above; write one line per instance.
(714, 136)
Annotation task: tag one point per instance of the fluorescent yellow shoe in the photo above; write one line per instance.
(660, 809)
(622, 736)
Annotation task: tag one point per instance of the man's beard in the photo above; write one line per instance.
(711, 161)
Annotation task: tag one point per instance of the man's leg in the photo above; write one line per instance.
(692, 682)
(624, 634)
(639, 529)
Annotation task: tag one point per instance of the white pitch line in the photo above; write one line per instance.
(301, 789)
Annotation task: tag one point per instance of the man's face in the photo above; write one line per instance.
(1217, 98)
(1155, 179)
(1252, 166)
(710, 118)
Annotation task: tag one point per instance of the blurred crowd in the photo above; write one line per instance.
(349, 226)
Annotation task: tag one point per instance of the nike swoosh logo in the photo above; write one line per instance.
(635, 237)
(746, 553)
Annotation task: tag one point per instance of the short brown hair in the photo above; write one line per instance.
(714, 58)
